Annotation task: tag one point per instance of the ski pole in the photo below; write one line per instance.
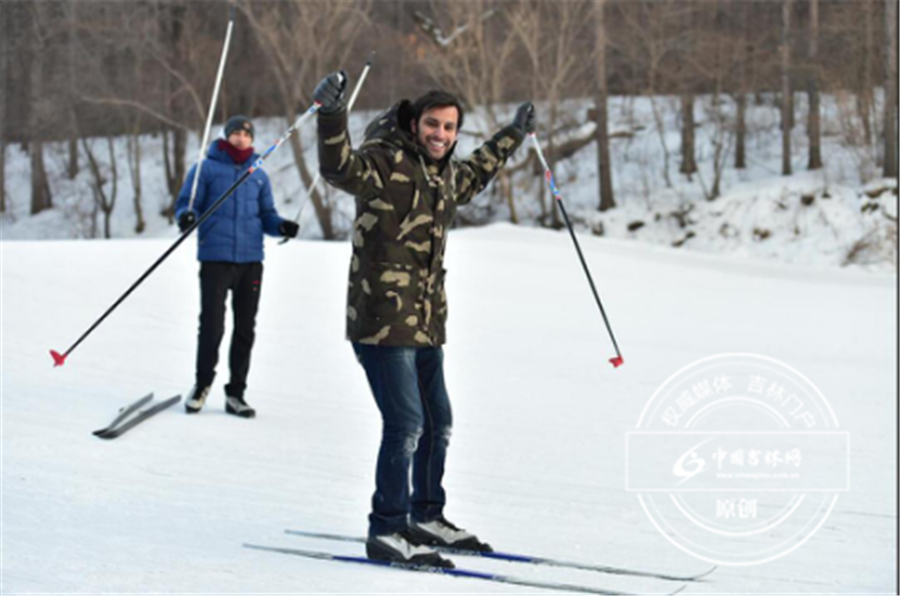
(212, 108)
(60, 359)
(312, 186)
(551, 182)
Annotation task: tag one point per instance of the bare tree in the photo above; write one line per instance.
(173, 52)
(38, 36)
(291, 35)
(814, 123)
(740, 149)
(604, 165)
(645, 37)
(864, 93)
(71, 31)
(133, 141)
(558, 68)
(5, 80)
(688, 126)
(890, 90)
(105, 202)
(786, 103)
(2, 172)
(717, 58)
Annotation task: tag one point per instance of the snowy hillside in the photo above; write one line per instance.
(537, 457)
(841, 215)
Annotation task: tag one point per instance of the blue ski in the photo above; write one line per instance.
(455, 572)
(517, 558)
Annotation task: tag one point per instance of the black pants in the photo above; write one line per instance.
(245, 282)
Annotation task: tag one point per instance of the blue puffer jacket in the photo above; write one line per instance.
(234, 233)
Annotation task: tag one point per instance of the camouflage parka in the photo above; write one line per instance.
(405, 205)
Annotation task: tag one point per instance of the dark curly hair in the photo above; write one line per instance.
(437, 99)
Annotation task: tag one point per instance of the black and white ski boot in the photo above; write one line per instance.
(401, 547)
(238, 407)
(440, 532)
(195, 399)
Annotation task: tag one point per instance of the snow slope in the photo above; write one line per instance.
(537, 458)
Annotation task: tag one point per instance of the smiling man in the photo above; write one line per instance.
(407, 186)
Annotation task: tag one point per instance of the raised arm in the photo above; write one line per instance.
(358, 173)
(476, 172)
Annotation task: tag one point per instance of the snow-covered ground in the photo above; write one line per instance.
(537, 457)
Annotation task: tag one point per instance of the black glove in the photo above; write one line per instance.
(186, 220)
(329, 92)
(288, 229)
(525, 119)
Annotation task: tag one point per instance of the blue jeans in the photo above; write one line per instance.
(408, 385)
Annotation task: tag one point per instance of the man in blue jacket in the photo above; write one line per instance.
(230, 251)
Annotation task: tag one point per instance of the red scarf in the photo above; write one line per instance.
(238, 156)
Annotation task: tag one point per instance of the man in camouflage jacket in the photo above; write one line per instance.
(407, 187)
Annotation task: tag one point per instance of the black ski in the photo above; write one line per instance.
(518, 558)
(454, 572)
(117, 428)
(124, 413)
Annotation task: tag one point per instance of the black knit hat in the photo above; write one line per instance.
(236, 123)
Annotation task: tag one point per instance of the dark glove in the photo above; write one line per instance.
(288, 229)
(525, 120)
(329, 92)
(186, 220)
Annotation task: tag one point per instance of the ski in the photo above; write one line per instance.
(124, 413)
(517, 558)
(452, 572)
(116, 428)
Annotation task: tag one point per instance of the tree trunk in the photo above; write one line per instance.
(542, 192)
(688, 155)
(604, 169)
(814, 124)
(71, 80)
(134, 167)
(553, 101)
(179, 149)
(740, 149)
(108, 208)
(890, 91)
(40, 187)
(167, 169)
(786, 106)
(173, 157)
(4, 81)
(740, 125)
(506, 188)
(2, 172)
(103, 202)
(864, 93)
(72, 168)
(174, 34)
